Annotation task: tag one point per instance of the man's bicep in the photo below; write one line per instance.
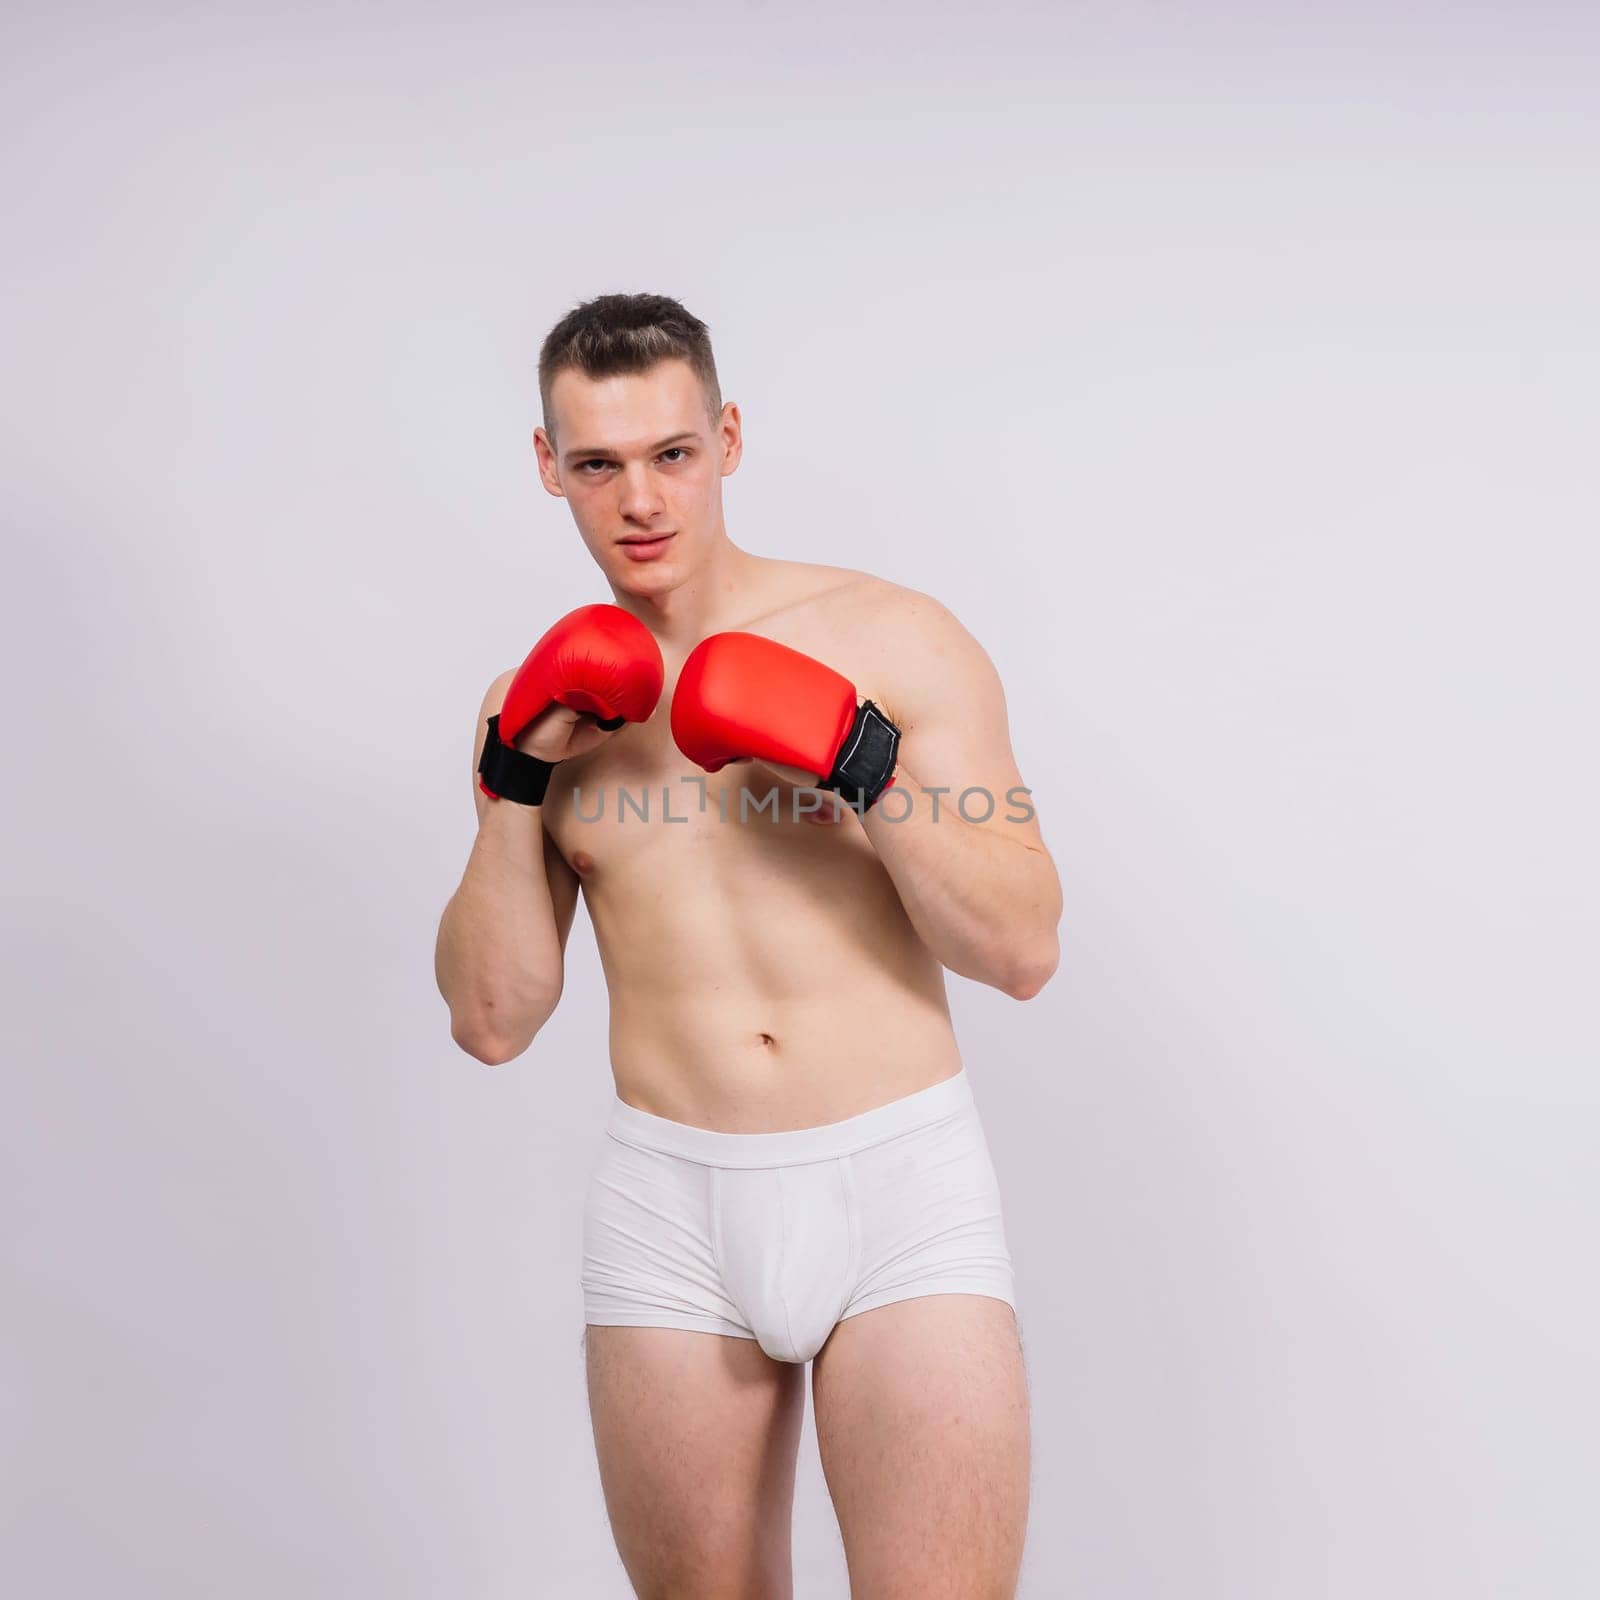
(955, 731)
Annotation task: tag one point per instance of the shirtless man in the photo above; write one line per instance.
(794, 1169)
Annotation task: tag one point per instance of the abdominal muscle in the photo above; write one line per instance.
(763, 975)
(746, 1064)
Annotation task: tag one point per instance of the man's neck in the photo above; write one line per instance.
(717, 595)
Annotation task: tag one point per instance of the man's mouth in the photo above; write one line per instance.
(641, 545)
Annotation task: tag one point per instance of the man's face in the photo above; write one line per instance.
(642, 467)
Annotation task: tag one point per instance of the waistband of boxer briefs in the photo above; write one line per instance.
(713, 1148)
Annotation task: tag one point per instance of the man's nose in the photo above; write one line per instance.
(640, 499)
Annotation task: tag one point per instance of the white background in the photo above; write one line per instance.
(1230, 371)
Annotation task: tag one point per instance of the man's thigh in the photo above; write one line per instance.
(696, 1435)
(922, 1423)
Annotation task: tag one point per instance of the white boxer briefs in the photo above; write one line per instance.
(779, 1236)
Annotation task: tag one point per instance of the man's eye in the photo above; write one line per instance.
(583, 466)
(674, 450)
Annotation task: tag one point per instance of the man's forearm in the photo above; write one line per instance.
(985, 905)
(498, 957)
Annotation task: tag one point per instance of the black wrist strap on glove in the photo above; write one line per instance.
(508, 773)
(865, 762)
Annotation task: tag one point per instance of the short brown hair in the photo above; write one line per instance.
(615, 333)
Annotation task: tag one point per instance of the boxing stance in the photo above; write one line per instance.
(793, 1169)
(738, 696)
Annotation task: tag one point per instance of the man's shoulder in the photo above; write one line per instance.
(853, 589)
(897, 609)
(850, 616)
(821, 592)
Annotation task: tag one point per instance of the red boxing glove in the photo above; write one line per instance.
(741, 696)
(599, 659)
